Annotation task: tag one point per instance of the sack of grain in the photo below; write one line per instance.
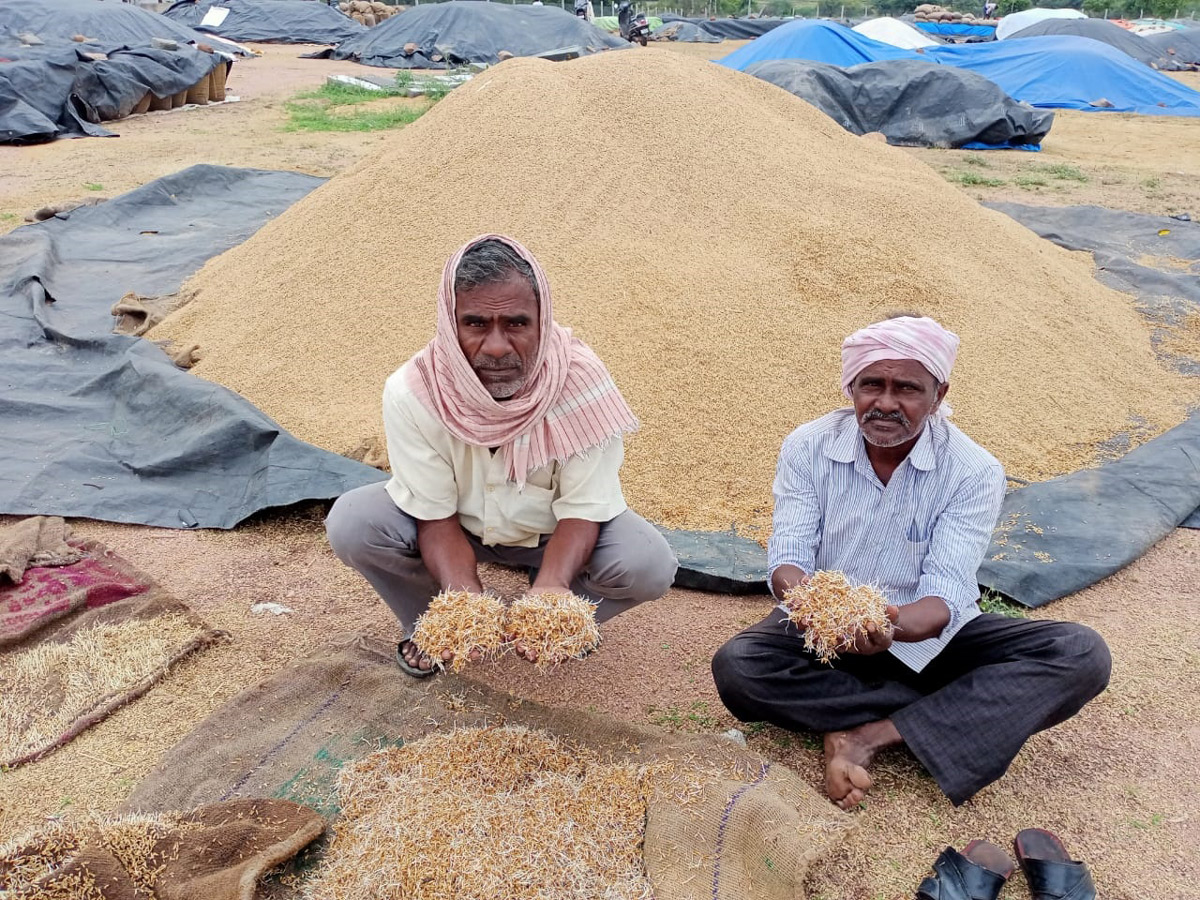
(143, 105)
(179, 99)
(198, 92)
(216, 87)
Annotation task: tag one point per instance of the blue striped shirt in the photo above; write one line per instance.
(923, 534)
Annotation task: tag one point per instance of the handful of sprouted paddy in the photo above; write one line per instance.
(832, 612)
(553, 627)
(462, 623)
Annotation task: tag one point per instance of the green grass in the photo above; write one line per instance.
(991, 602)
(973, 179)
(312, 110)
(93, 186)
(1064, 172)
(1152, 183)
(1030, 181)
(977, 159)
(7, 217)
(695, 718)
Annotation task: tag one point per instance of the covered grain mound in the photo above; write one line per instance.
(713, 238)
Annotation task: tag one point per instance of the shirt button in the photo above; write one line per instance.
(491, 488)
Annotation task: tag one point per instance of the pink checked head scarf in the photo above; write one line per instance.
(904, 337)
(568, 404)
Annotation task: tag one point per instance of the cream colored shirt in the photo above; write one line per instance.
(435, 475)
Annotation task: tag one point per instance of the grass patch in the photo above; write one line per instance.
(7, 217)
(93, 186)
(973, 179)
(977, 159)
(314, 110)
(1153, 183)
(991, 602)
(694, 718)
(1064, 172)
(1030, 181)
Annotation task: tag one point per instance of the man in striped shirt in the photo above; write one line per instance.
(892, 494)
(504, 437)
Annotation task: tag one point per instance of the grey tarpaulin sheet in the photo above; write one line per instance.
(471, 31)
(1059, 536)
(111, 22)
(36, 95)
(732, 29)
(912, 102)
(271, 21)
(1182, 45)
(684, 33)
(1107, 33)
(104, 426)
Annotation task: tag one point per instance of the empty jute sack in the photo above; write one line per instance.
(217, 852)
(82, 633)
(750, 829)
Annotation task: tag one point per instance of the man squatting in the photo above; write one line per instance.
(504, 437)
(892, 494)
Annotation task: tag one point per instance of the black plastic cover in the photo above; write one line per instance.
(732, 29)
(1106, 32)
(105, 426)
(912, 102)
(1181, 45)
(271, 21)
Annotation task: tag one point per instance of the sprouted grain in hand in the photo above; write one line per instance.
(832, 612)
(557, 627)
(461, 622)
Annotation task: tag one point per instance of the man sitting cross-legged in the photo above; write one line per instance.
(505, 441)
(892, 494)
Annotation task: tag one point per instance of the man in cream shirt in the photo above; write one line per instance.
(505, 442)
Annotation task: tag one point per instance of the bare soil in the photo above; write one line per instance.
(1115, 782)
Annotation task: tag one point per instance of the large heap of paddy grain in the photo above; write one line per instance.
(714, 239)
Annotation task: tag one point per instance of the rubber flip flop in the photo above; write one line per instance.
(414, 671)
(1049, 869)
(978, 873)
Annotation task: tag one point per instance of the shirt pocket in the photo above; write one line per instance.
(911, 552)
(530, 509)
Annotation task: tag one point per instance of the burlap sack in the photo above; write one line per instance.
(36, 541)
(217, 852)
(752, 833)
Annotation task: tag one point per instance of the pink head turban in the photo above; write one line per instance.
(904, 337)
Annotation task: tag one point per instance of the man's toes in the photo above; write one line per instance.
(861, 779)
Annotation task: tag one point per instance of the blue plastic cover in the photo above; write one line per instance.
(1067, 72)
(816, 40)
(957, 29)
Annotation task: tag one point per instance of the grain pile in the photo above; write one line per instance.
(832, 612)
(487, 812)
(714, 239)
(45, 689)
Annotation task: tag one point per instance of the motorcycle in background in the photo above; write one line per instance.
(633, 25)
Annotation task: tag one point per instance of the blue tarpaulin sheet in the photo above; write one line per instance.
(816, 40)
(1068, 72)
(1053, 72)
(957, 29)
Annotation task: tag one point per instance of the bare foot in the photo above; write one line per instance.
(847, 755)
(419, 660)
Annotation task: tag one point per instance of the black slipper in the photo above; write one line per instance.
(414, 671)
(978, 873)
(1049, 869)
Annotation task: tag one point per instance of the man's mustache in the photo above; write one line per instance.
(492, 364)
(896, 416)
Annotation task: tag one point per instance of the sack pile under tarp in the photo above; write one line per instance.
(267, 21)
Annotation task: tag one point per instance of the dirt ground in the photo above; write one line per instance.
(1113, 782)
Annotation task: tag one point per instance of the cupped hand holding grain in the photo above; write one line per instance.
(548, 628)
(839, 617)
(459, 626)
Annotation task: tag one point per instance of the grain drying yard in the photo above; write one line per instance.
(308, 317)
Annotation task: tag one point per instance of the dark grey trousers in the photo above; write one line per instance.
(630, 564)
(964, 717)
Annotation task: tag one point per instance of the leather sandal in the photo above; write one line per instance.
(978, 873)
(1049, 869)
(405, 666)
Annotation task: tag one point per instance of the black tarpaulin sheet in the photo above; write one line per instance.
(36, 95)
(1181, 45)
(110, 22)
(1059, 536)
(731, 29)
(684, 33)
(104, 426)
(57, 90)
(1156, 258)
(912, 102)
(269, 21)
(1107, 33)
(471, 31)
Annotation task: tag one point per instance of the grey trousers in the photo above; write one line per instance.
(631, 562)
(964, 717)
